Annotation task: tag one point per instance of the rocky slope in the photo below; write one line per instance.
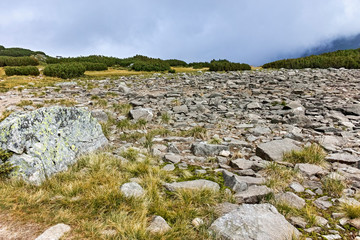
(236, 123)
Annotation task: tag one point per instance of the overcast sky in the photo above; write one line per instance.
(251, 31)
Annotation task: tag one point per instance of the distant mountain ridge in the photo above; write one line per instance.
(341, 43)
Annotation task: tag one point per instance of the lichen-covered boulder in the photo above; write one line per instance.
(48, 140)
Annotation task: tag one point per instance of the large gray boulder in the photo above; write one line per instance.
(274, 150)
(46, 141)
(256, 222)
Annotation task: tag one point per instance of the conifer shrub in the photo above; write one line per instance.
(18, 61)
(176, 63)
(89, 66)
(2, 47)
(199, 65)
(108, 61)
(150, 66)
(65, 70)
(24, 70)
(225, 65)
(18, 52)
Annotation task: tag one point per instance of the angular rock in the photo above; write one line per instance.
(233, 183)
(172, 158)
(254, 194)
(256, 222)
(205, 149)
(241, 164)
(100, 115)
(309, 169)
(274, 150)
(181, 109)
(352, 109)
(48, 140)
(343, 158)
(142, 113)
(192, 185)
(132, 189)
(297, 187)
(323, 203)
(158, 225)
(290, 199)
(55, 232)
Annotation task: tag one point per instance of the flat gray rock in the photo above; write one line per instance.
(46, 141)
(142, 113)
(290, 199)
(256, 222)
(254, 194)
(343, 158)
(54, 232)
(205, 149)
(274, 150)
(309, 169)
(192, 185)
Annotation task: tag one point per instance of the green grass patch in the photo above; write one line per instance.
(312, 154)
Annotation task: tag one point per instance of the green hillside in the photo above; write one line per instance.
(349, 59)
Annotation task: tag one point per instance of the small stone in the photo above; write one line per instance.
(169, 167)
(132, 189)
(181, 109)
(323, 203)
(332, 237)
(298, 222)
(158, 225)
(355, 223)
(192, 185)
(172, 158)
(196, 222)
(297, 187)
(320, 221)
(224, 153)
(54, 232)
(142, 113)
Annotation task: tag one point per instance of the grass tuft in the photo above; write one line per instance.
(333, 187)
(312, 154)
(279, 177)
(351, 211)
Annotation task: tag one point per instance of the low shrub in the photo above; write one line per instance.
(65, 70)
(199, 65)
(26, 71)
(225, 65)
(18, 52)
(18, 61)
(176, 63)
(89, 66)
(151, 66)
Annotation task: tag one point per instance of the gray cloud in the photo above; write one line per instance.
(252, 31)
